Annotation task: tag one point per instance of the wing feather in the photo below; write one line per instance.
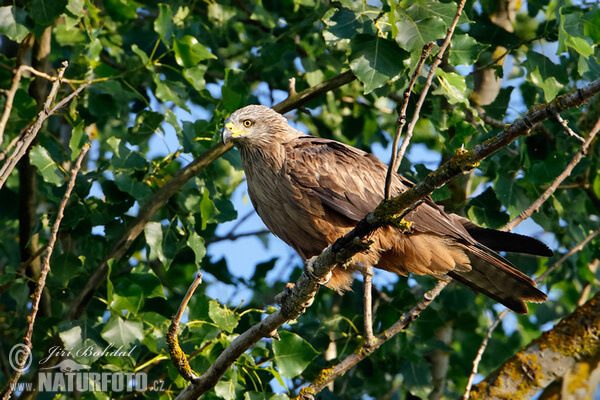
(351, 182)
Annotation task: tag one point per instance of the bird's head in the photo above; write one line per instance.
(255, 125)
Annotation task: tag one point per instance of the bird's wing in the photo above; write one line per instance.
(351, 182)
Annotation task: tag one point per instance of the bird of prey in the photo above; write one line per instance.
(309, 191)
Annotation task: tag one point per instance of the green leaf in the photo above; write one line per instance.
(234, 92)
(345, 24)
(127, 297)
(84, 340)
(163, 25)
(570, 34)
(292, 354)
(465, 50)
(77, 140)
(412, 36)
(376, 61)
(171, 91)
(511, 195)
(49, 170)
(76, 8)
(146, 123)
(122, 10)
(422, 9)
(44, 12)
(66, 266)
(151, 285)
(195, 76)
(196, 243)
(189, 52)
(452, 86)
(541, 72)
(12, 23)
(124, 158)
(208, 211)
(140, 53)
(120, 332)
(484, 210)
(591, 25)
(133, 187)
(153, 232)
(223, 316)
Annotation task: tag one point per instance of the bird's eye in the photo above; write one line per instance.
(247, 123)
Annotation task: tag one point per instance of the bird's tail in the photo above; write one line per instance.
(494, 276)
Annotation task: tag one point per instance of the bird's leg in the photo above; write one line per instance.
(367, 272)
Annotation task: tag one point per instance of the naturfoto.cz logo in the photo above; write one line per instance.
(71, 376)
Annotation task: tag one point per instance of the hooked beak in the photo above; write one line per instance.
(230, 132)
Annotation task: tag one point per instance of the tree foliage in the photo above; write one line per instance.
(165, 75)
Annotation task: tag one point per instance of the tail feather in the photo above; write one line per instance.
(504, 241)
(494, 276)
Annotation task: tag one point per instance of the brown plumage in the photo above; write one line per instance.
(309, 191)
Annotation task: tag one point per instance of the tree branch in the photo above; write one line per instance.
(22, 145)
(500, 316)
(37, 294)
(573, 339)
(10, 96)
(293, 302)
(178, 357)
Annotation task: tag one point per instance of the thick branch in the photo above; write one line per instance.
(500, 316)
(573, 339)
(344, 248)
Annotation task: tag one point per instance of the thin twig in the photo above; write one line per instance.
(23, 145)
(15, 140)
(44, 75)
(567, 129)
(573, 250)
(393, 165)
(234, 236)
(368, 305)
(10, 96)
(178, 357)
(480, 352)
(37, 294)
(329, 375)
(548, 192)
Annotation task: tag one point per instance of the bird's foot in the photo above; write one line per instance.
(310, 271)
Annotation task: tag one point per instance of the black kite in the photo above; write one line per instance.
(309, 191)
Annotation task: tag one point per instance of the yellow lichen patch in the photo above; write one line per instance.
(305, 392)
(323, 376)
(577, 334)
